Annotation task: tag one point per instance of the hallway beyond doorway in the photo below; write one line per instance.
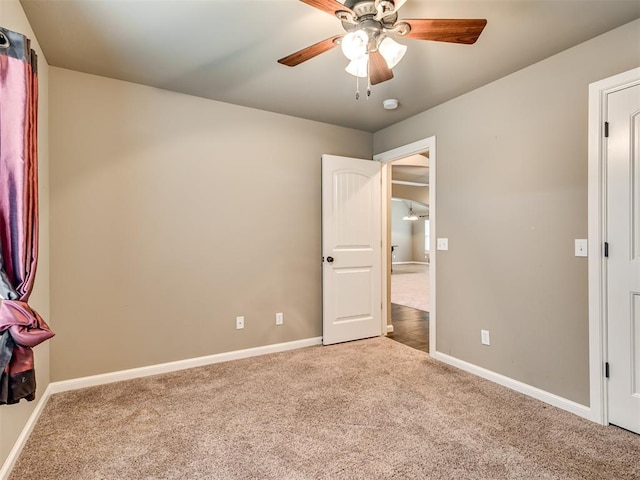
(410, 305)
(410, 285)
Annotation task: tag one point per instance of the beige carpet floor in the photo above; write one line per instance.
(410, 285)
(372, 409)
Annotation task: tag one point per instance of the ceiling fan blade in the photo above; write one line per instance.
(378, 70)
(329, 6)
(446, 30)
(309, 52)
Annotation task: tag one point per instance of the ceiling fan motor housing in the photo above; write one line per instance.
(366, 11)
(372, 17)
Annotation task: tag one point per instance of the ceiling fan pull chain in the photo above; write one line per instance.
(368, 79)
(357, 88)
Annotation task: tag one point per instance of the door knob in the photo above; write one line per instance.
(330, 259)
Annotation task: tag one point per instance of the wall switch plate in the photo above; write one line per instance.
(484, 337)
(279, 318)
(239, 323)
(442, 244)
(581, 247)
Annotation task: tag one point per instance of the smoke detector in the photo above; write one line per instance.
(390, 104)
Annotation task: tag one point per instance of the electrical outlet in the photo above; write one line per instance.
(484, 337)
(239, 323)
(442, 244)
(279, 318)
(581, 247)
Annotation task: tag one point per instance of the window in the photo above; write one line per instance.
(426, 235)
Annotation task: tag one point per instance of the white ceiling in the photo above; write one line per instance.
(227, 49)
(411, 174)
(418, 208)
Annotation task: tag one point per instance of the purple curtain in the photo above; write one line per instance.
(21, 328)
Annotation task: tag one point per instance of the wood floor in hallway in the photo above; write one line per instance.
(410, 326)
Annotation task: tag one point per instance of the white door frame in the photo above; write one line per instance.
(385, 158)
(598, 92)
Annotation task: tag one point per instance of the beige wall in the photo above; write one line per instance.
(14, 417)
(407, 236)
(171, 215)
(421, 195)
(417, 237)
(401, 233)
(511, 198)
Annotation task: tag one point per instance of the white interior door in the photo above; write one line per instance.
(351, 249)
(623, 264)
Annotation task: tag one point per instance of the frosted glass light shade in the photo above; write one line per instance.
(391, 51)
(358, 68)
(410, 215)
(354, 45)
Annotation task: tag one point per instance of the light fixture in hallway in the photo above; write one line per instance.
(410, 215)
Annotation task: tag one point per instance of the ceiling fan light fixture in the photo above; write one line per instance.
(359, 67)
(391, 51)
(354, 45)
(370, 24)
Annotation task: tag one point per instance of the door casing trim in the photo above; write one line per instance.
(598, 92)
(385, 158)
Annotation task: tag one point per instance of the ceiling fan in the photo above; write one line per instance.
(371, 26)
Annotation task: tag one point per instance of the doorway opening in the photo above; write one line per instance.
(410, 251)
(408, 196)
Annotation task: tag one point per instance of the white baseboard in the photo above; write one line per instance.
(106, 378)
(8, 464)
(542, 395)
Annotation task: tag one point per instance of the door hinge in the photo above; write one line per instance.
(606, 370)
(606, 249)
(606, 129)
